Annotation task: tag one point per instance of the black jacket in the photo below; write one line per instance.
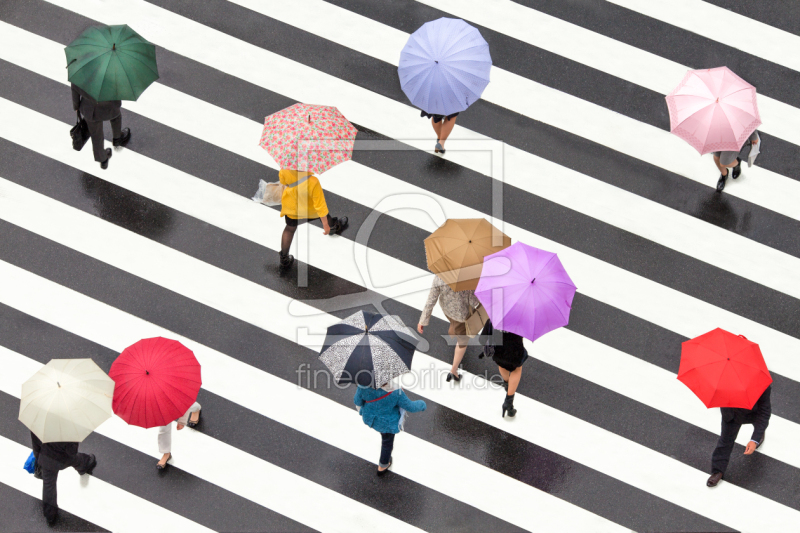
(758, 415)
(93, 110)
(54, 455)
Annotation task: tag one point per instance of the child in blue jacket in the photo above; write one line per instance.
(380, 410)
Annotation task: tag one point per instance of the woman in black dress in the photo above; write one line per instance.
(505, 349)
(442, 125)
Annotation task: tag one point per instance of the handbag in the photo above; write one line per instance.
(79, 133)
(30, 464)
(476, 320)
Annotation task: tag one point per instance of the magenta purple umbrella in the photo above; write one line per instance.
(525, 290)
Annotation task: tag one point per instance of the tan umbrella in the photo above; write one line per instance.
(456, 250)
(66, 400)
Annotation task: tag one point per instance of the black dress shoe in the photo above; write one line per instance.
(737, 170)
(104, 164)
(714, 479)
(92, 465)
(126, 136)
(721, 182)
(190, 424)
(339, 225)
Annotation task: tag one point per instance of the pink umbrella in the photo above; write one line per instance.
(713, 110)
(525, 290)
(308, 137)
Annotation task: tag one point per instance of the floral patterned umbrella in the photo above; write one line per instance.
(307, 137)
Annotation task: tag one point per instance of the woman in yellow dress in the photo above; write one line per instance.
(303, 200)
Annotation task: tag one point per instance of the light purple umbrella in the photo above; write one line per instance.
(525, 290)
(444, 67)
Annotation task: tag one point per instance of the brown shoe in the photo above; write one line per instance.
(714, 479)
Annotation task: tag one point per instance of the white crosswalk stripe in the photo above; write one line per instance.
(659, 474)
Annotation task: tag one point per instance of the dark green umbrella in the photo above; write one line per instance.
(112, 63)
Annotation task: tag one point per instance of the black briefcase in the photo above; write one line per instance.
(79, 133)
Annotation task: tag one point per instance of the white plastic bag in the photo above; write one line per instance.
(269, 193)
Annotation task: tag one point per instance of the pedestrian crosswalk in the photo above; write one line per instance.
(167, 242)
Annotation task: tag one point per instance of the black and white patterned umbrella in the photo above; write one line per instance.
(368, 349)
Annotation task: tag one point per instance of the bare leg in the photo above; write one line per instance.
(722, 169)
(504, 373)
(437, 127)
(513, 380)
(457, 357)
(446, 129)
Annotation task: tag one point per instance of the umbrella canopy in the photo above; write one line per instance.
(111, 63)
(157, 381)
(368, 349)
(526, 291)
(713, 109)
(307, 137)
(66, 400)
(724, 370)
(444, 67)
(456, 250)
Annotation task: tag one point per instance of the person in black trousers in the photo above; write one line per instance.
(732, 420)
(95, 113)
(53, 457)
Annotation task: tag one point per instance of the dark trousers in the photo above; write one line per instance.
(80, 462)
(722, 453)
(387, 444)
(96, 133)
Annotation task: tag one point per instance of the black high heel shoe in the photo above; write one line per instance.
(382, 473)
(508, 405)
(454, 377)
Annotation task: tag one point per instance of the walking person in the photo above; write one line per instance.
(457, 307)
(442, 126)
(190, 418)
(732, 420)
(508, 352)
(384, 411)
(303, 200)
(52, 457)
(731, 160)
(95, 114)
(444, 68)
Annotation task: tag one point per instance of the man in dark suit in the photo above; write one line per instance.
(732, 420)
(53, 457)
(95, 113)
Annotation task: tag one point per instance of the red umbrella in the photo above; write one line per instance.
(724, 370)
(157, 380)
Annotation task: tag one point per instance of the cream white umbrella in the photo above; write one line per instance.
(66, 400)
